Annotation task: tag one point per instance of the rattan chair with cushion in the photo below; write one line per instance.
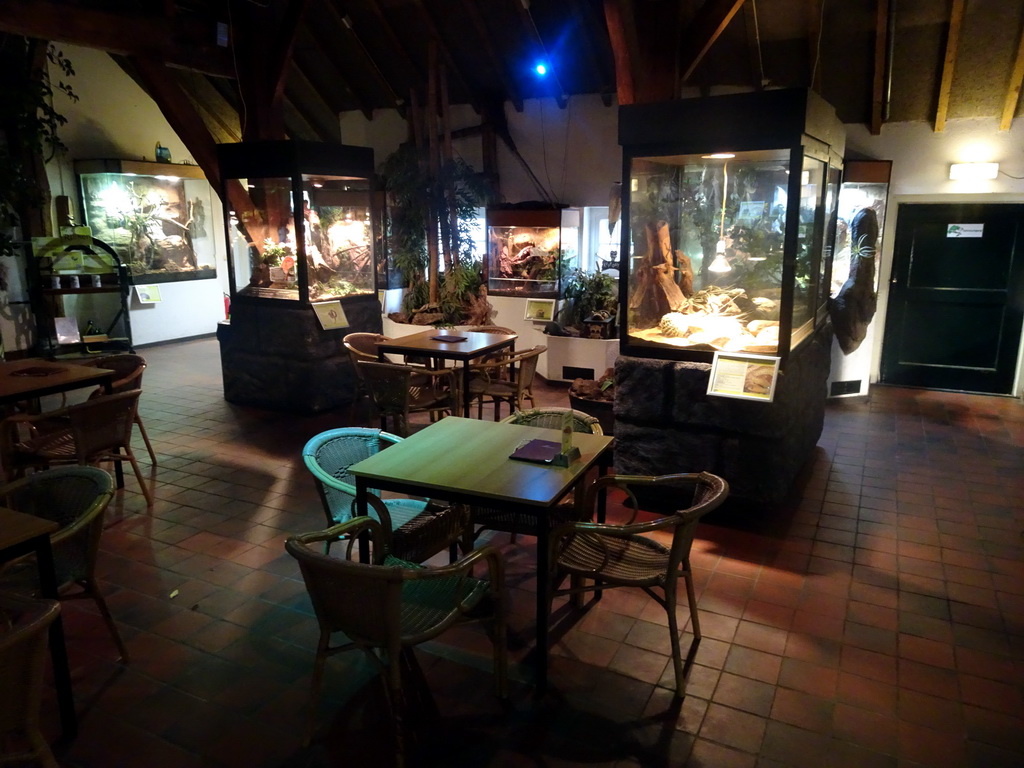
(388, 606)
(23, 634)
(650, 554)
(75, 498)
(129, 369)
(508, 380)
(96, 431)
(418, 529)
(400, 390)
(526, 521)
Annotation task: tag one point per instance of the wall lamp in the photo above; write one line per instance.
(973, 171)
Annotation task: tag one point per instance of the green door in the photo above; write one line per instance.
(956, 298)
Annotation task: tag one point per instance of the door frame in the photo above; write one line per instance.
(892, 216)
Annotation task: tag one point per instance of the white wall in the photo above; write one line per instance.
(114, 118)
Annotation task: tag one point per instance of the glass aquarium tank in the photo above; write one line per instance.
(865, 187)
(301, 221)
(529, 249)
(156, 216)
(729, 213)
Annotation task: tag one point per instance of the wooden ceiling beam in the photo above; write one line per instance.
(621, 23)
(879, 66)
(707, 26)
(179, 41)
(324, 35)
(397, 47)
(450, 62)
(1013, 88)
(476, 18)
(956, 18)
(308, 100)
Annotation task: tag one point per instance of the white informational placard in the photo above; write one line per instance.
(331, 315)
(67, 330)
(965, 230)
(148, 294)
(540, 310)
(750, 377)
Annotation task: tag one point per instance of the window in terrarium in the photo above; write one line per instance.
(263, 240)
(158, 225)
(339, 238)
(808, 248)
(707, 247)
(525, 258)
(861, 206)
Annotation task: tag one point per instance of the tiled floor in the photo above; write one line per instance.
(876, 619)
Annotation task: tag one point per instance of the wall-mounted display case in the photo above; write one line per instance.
(301, 223)
(729, 207)
(156, 216)
(527, 248)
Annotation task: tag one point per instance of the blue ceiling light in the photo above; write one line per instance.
(540, 69)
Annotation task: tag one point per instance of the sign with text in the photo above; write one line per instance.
(331, 315)
(751, 377)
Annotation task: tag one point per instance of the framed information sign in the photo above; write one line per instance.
(751, 377)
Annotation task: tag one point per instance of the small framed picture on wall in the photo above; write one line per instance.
(540, 310)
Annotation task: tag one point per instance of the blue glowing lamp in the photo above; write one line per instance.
(541, 69)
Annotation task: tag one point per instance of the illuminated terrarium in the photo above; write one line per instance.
(729, 216)
(529, 248)
(156, 216)
(300, 220)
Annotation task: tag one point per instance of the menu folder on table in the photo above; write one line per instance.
(544, 452)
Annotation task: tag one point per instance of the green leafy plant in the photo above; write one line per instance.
(587, 294)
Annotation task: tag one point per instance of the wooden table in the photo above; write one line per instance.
(467, 460)
(476, 345)
(32, 378)
(22, 534)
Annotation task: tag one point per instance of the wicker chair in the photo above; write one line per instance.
(418, 529)
(23, 633)
(525, 522)
(361, 346)
(76, 499)
(400, 390)
(388, 606)
(129, 369)
(92, 432)
(508, 380)
(624, 556)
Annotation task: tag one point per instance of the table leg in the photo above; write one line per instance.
(542, 607)
(465, 388)
(364, 545)
(58, 649)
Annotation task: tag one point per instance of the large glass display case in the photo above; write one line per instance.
(528, 249)
(301, 224)
(158, 217)
(729, 217)
(865, 187)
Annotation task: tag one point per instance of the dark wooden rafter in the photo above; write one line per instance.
(297, 125)
(445, 52)
(395, 45)
(956, 18)
(178, 41)
(530, 26)
(1013, 88)
(814, 10)
(308, 101)
(588, 32)
(344, 22)
(879, 59)
(472, 12)
(333, 86)
(755, 57)
(263, 37)
(618, 16)
(707, 26)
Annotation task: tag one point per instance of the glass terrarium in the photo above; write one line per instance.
(729, 216)
(301, 221)
(865, 188)
(529, 249)
(156, 216)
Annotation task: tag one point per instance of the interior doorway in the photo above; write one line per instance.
(956, 297)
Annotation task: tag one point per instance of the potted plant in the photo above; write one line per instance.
(589, 298)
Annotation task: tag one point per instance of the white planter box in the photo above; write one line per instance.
(571, 358)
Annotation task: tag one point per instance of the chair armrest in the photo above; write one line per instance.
(351, 530)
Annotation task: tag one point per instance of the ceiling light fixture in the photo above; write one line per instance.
(973, 171)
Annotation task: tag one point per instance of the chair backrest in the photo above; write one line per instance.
(706, 493)
(389, 385)
(23, 625)
(552, 418)
(363, 345)
(526, 367)
(128, 369)
(74, 497)
(328, 456)
(491, 329)
(103, 424)
(363, 600)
